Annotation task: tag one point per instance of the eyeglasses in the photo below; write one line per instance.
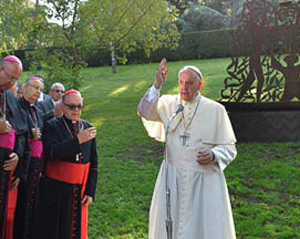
(74, 107)
(36, 87)
(58, 91)
(12, 78)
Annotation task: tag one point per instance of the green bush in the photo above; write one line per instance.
(200, 45)
(192, 46)
(57, 66)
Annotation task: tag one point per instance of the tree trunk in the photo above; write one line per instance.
(113, 59)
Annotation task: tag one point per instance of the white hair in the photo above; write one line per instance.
(57, 84)
(194, 69)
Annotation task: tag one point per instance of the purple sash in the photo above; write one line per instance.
(36, 148)
(7, 140)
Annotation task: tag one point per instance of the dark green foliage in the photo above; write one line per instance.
(200, 45)
(193, 45)
(201, 18)
(58, 66)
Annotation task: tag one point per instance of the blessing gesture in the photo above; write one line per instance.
(161, 74)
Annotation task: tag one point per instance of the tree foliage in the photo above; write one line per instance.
(59, 52)
(19, 24)
(230, 9)
(61, 34)
(128, 25)
(79, 28)
(200, 18)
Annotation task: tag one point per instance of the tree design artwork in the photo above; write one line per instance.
(265, 65)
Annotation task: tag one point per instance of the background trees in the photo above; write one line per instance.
(199, 15)
(18, 24)
(63, 35)
(71, 31)
(126, 26)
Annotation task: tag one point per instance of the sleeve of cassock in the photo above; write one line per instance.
(224, 155)
(93, 173)
(147, 108)
(151, 117)
(48, 115)
(22, 148)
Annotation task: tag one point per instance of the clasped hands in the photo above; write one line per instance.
(85, 135)
(12, 161)
(36, 133)
(9, 165)
(5, 126)
(205, 157)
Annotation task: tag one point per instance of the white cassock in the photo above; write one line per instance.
(200, 206)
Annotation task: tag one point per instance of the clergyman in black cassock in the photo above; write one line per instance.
(69, 184)
(13, 131)
(28, 190)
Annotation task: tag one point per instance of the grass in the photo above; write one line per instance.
(263, 181)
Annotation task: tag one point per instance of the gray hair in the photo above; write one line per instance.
(194, 69)
(57, 84)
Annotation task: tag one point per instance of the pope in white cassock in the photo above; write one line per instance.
(201, 144)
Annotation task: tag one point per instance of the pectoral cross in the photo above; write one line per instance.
(78, 157)
(184, 138)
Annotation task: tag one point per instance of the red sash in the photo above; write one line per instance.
(11, 208)
(74, 174)
(7, 140)
(36, 148)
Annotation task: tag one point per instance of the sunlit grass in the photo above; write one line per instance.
(263, 181)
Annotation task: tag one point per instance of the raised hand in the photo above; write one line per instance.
(85, 135)
(161, 74)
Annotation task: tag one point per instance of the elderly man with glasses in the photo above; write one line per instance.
(69, 185)
(52, 107)
(14, 148)
(28, 189)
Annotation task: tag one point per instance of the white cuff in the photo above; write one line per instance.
(152, 94)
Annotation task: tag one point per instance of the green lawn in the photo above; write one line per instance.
(263, 181)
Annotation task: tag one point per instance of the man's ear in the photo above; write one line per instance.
(200, 85)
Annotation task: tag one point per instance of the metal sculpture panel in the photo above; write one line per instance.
(265, 66)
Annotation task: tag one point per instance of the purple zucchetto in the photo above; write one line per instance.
(12, 58)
